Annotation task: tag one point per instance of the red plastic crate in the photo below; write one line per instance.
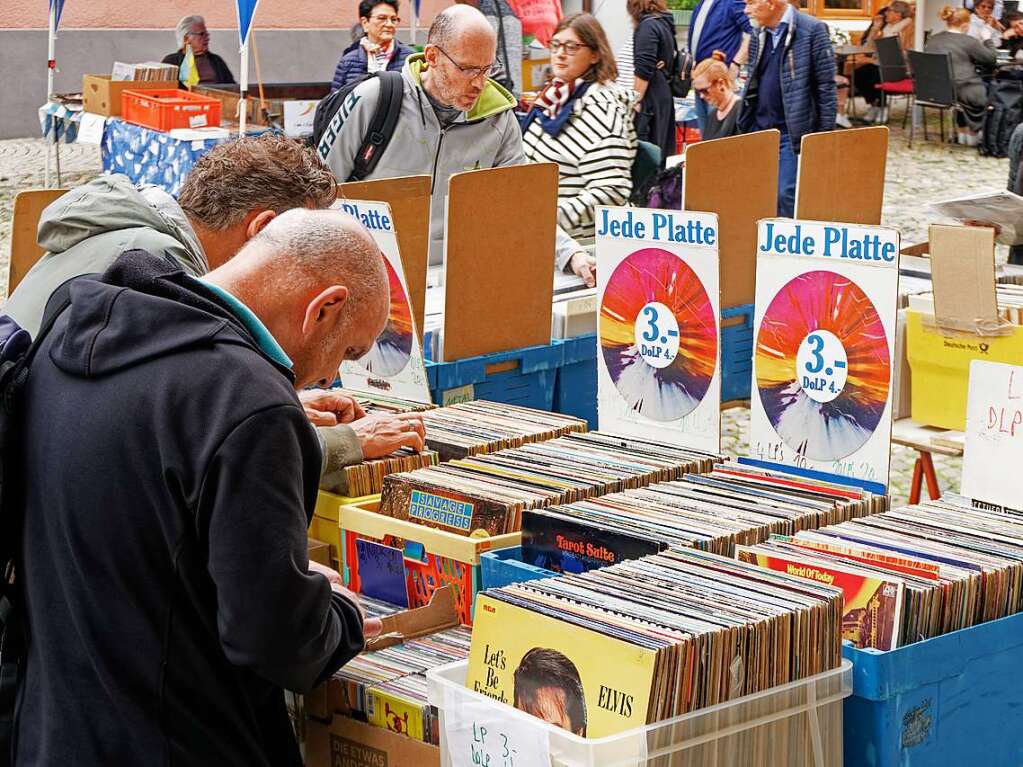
(166, 109)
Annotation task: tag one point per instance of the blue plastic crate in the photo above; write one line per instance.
(505, 567)
(736, 352)
(952, 700)
(575, 389)
(518, 377)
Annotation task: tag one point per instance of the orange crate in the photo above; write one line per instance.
(166, 109)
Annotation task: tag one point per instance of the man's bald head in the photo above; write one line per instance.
(456, 22)
(460, 52)
(317, 281)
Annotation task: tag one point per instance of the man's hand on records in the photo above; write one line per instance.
(328, 408)
(370, 626)
(382, 434)
(584, 265)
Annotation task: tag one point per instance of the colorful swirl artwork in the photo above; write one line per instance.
(822, 365)
(658, 334)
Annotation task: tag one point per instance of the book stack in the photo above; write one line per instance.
(489, 493)
(912, 573)
(605, 651)
(731, 504)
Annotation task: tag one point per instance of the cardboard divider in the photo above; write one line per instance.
(737, 178)
(963, 275)
(25, 250)
(418, 622)
(498, 270)
(409, 198)
(841, 176)
(347, 742)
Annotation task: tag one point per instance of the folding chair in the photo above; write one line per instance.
(935, 88)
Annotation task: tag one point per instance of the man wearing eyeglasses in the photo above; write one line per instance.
(191, 33)
(453, 118)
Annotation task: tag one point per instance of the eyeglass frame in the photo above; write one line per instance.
(396, 20)
(202, 35)
(470, 73)
(554, 46)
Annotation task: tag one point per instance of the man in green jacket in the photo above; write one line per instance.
(453, 118)
(230, 195)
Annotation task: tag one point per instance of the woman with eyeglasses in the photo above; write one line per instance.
(191, 33)
(378, 50)
(582, 121)
(712, 81)
(653, 46)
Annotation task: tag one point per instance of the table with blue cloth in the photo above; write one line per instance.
(144, 155)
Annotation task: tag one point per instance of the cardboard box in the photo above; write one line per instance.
(102, 96)
(348, 743)
(940, 361)
(319, 552)
(324, 525)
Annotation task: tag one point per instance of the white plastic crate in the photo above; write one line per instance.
(793, 725)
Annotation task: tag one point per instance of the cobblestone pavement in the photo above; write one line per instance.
(915, 177)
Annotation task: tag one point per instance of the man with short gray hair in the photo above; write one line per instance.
(191, 32)
(167, 456)
(230, 195)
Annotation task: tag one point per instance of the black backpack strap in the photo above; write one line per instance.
(381, 127)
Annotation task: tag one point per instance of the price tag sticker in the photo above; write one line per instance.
(657, 336)
(822, 366)
(491, 734)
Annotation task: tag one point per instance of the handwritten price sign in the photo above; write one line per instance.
(994, 435)
(482, 734)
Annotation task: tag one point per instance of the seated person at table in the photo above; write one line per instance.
(967, 53)
(228, 197)
(378, 49)
(1012, 37)
(453, 118)
(712, 81)
(898, 22)
(984, 25)
(583, 121)
(191, 32)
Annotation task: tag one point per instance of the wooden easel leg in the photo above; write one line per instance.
(915, 485)
(932, 479)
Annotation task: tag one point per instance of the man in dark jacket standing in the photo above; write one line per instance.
(791, 85)
(169, 476)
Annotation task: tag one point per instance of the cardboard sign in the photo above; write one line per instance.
(298, 117)
(487, 733)
(394, 365)
(994, 435)
(658, 306)
(824, 345)
(90, 129)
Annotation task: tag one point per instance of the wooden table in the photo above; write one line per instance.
(909, 433)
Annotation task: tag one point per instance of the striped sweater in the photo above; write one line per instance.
(594, 153)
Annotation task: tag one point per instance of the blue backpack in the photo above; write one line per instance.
(17, 349)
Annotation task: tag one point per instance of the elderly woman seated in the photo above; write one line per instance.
(967, 54)
(191, 33)
(583, 122)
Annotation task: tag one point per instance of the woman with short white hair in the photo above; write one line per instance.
(191, 33)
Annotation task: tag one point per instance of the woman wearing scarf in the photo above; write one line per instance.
(379, 50)
(583, 122)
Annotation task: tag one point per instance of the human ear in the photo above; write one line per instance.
(324, 310)
(257, 221)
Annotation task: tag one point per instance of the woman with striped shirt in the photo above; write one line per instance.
(583, 122)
